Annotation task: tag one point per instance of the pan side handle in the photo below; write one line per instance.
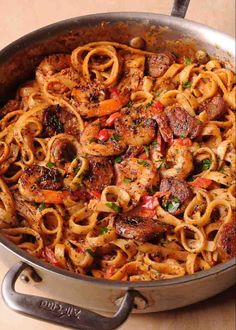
(58, 312)
(180, 8)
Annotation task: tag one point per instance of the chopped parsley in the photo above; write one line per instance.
(152, 190)
(187, 61)
(129, 105)
(41, 207)
(183, 135)
(116, 137)
(103, 230)
(153, 144)
(186, 84)
(118, 160)
(146, 150)
(92, 140)
(206, 164)
(91, 252)
(149, 104)
(158, 94)
(50, 164)
(162, 163)
(126, 180)
(143, 162)
(114, 207)
(172, 205)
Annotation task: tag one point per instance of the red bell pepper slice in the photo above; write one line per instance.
(201, 183)
(184, 142)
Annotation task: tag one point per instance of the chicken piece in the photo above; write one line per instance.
(140, 228)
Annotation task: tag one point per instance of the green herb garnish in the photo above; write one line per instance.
(186, 84)
(154, 143)
(183, 135)
(149, 104)
(162, 163)
(143, 162)
(92, 140)
(116, 137)
(118, 160)
(114, 207)
(146, 150)
(152, 190)
(126, 180)
(41, 207)
(91, 252)
(172, 205)
(103, 230)
(206, 164)
(129, 105)
(187, 61)
(50, 164)
(158, 94)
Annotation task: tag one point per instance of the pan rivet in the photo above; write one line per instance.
(24, 278)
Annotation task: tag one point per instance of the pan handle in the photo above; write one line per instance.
(179, 8)
(58, 312)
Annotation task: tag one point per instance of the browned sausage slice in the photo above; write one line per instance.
(226, 242)
(182, 123)
(158, 64)
(178, 189)
(48, 178)
(139, 228)
(57, 120)
(99, 175)
(214, 107)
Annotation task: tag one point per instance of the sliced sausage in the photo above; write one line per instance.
(57, 120)
(182, 123)
(99, 175)
(48, 178)
(158, 64)
(164, 128)
(176, 188)
(214, 107)
(139, 228)
(226, 242)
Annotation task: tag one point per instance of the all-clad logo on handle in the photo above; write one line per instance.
(60, 309)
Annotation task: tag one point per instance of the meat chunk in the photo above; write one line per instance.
(214, 107)
(24, 208)
(163, 125)
(48, 178)
(158, 64)
(182, 123)
(139, 228)
(57, 120)
(99, 175)
(226, 242)
(180, 194)
(63, 151)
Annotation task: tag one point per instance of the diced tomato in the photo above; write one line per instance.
(103, 135)
(158, 105)
(116, 94)
(150, 202)
(112, 118)
(95, 194)
(201, 183)
(143, 156)
(184, 142)
(81, 249)
(50, 257)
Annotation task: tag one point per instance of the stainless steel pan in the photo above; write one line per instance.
(17, 63)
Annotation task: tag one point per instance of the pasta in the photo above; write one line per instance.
(119, 163)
